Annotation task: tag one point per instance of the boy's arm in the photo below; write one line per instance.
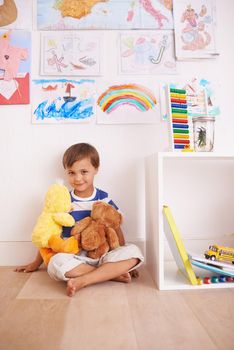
(31, 267)
(120, 236)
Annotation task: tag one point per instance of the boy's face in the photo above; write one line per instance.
(80, 176)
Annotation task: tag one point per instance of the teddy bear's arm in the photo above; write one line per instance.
(81, 225)
(64, 219)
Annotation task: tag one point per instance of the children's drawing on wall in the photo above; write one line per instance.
(147, 53)
(201, 94)
(104, 14)
(195, 26)
(128, 103)
(70, 53)
(16, 14)
(63, 101)
(14, 67)
(183, 100)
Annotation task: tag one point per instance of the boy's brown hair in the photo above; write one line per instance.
(80, 151)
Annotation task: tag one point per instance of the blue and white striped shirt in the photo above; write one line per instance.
(82, 206)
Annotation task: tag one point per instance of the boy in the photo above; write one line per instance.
(81, 163)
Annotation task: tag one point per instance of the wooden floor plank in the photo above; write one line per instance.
(33, 324)
(10, 285)
(41, 286)
(99, 318)
(36, 313)
(215, 311)
(163, 320)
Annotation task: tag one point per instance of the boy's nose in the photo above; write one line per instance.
(78, 177)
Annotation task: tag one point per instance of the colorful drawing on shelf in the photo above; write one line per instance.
(147, 53)
(63, 101)
(104, 14)
(16, 14)
(14, 67)
(127, 103)
(201, 97)
(195, 29)
(70, 53)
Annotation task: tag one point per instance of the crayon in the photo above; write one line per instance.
(184, 142)
(179, 91)
(178, 100)
(178, 96)
(178, 105)
(179, 146)
(178, 115)
(181, 126)
(181, 121)
(177, 110)
(180, 136)
(180, 131)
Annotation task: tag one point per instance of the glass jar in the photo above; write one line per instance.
(203, 134)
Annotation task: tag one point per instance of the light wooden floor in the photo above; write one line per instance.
(35, 313)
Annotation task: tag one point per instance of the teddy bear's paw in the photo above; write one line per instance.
(97, 253)
(112, 238)
(81, 225)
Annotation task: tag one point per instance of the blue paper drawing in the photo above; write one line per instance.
(63, 101)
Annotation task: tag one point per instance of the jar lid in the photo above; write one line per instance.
(203, 119)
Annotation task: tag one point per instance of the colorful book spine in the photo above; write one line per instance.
(179, 121)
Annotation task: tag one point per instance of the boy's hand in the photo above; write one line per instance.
(27, 268)
(31, 267)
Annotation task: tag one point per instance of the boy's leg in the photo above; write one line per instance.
(79, 270)
(105, 272)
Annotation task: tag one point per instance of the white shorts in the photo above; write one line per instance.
(63, 262)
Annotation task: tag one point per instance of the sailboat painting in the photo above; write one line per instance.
(147, 52)
(63, 101)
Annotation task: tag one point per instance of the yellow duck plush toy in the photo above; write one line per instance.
(46, 234)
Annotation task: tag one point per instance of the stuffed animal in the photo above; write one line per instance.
(47, 231)
(96, 233)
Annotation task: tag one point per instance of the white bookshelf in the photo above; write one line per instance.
(199, 189)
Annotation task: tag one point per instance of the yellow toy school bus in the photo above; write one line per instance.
(217, 252)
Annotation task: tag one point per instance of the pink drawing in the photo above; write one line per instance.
(56, 61)
(131, 12)
(147, 5)
(194, 35)
(10, 57)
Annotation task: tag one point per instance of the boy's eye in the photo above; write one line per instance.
(70, 173)
(83, 172)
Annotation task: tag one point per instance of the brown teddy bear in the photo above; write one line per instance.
(96, 233)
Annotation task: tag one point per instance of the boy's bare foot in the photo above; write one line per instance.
(73, 285)
(125, 278)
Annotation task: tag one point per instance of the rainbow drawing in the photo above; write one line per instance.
(134, 95)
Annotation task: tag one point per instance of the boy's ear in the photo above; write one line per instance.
(96, 170)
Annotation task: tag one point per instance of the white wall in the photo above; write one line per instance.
(31, 154)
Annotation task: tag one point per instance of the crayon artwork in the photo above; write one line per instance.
(179, 120)
(128, 103)
(63, 101)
